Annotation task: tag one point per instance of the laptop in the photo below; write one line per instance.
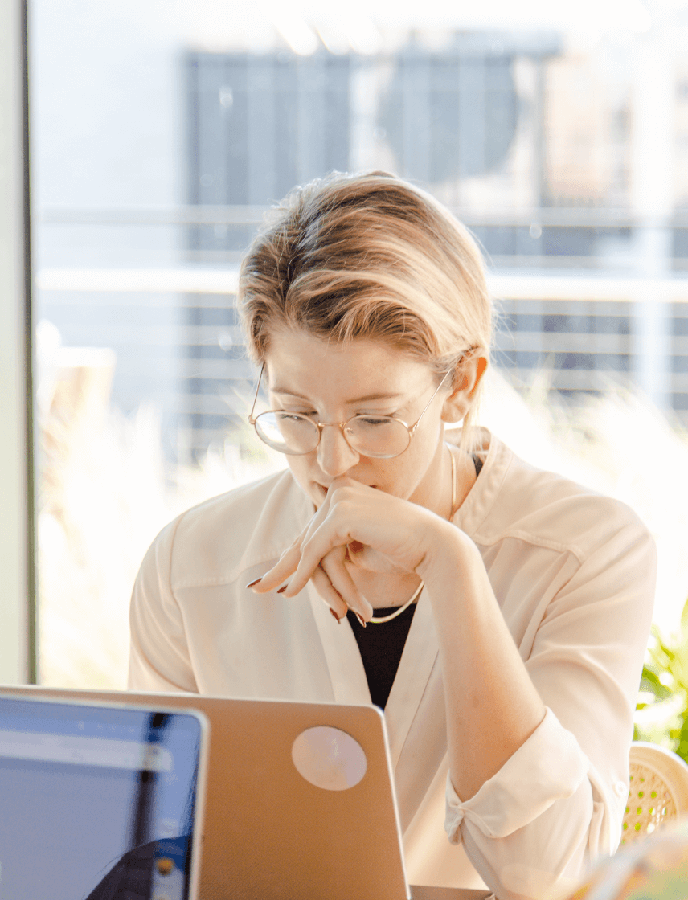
(100, 801)
(300, 800)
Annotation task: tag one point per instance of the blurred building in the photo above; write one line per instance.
(159, 148)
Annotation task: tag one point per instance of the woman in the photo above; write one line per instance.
(498, 613)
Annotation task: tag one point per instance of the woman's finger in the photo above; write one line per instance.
(323, 586)
(334, 566)
(279, 573)
(289, 560)
(326, 537)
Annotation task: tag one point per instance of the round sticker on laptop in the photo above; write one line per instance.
(329, 758)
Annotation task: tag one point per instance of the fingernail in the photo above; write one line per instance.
(360, 619)
(338, 620)
(282, 589)
(253, 583)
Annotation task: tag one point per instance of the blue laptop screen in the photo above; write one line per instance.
(96, 802)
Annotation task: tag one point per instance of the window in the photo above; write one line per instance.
(160, 138)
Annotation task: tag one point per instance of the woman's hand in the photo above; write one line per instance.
(356, 526)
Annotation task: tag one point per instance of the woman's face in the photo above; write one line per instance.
(337, 381)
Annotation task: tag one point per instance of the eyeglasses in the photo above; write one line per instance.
(295, 434)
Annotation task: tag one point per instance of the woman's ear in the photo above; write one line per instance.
(467, 378)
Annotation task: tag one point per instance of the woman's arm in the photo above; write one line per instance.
(559, 800)
(458, 587)
(531, 791)
(492, 706)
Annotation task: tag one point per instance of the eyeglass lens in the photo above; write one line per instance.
(370, 435)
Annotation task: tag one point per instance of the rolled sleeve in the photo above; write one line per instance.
(525, 786)
(528, 829)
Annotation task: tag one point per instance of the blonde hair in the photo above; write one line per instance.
(368, 256)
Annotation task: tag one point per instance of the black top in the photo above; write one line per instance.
(381, 645)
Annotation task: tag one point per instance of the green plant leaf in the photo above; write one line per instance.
(682, 746)
(650, 682)
(664, 679)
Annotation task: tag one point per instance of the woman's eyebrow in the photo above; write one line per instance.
(365, 399)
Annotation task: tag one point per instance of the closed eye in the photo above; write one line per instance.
(372, 421)
(286, 416)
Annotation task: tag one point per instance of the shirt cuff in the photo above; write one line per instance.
(548, 767)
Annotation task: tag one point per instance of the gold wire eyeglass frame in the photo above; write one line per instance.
(411, 429)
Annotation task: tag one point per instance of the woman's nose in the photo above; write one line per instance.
(335, 456)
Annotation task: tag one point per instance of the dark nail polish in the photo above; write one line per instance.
(282, 589)
(253, 583)
(361, 620)
(336, 617)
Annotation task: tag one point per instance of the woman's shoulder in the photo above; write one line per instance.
(516, 499)
(212, 541)
(244, 500)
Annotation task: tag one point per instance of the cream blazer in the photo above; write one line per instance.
(574, 574)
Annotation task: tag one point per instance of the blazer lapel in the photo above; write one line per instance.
(416, 665)
(349, 682)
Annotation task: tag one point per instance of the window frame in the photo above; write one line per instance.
(17, 544)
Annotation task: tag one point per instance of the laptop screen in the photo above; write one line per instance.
(96, 801)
